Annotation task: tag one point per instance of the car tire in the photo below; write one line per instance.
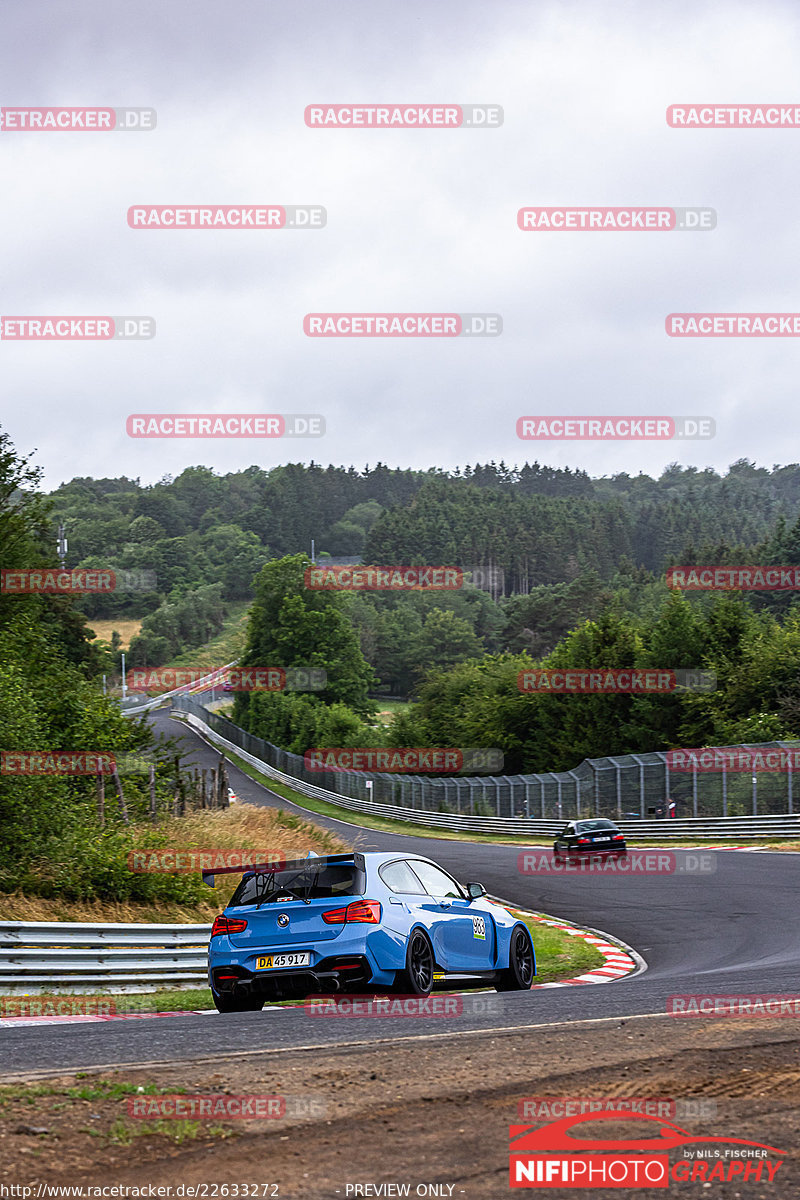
(417, 978)
(519, 975)
(232, 1004)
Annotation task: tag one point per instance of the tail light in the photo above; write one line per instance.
(620, 837)
(224, 925)
(366, 911)
(584, 841)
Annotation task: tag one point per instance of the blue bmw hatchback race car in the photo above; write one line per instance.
(358, 923)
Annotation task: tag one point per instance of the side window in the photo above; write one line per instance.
(400, 878)
(437, 882)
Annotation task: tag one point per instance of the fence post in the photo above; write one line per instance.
(694, 787)
(101, 799)
(789, 786)
(755, 794)
(618, 771)
(724, 790)
(152, 782)
(123, 808)
(641, 789)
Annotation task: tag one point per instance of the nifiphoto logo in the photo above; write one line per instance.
(225, 425)
(77, 120)
(403, 116)
(629, 219)
(76, 329)
(411, 325)
(612, 429)
(227, 216)
(563, 1154)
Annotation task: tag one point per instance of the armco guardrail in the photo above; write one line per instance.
(713, 828)
(622, 787)
(37, 957)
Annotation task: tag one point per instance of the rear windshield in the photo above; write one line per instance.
(588, 826)
(322, 882)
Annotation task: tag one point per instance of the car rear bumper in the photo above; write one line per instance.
(617, 848)
(336, 973)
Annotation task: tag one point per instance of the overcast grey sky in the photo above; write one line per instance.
(418, 220)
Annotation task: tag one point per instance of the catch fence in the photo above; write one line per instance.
(627, 787)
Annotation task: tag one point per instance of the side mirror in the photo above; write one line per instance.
(475, 890)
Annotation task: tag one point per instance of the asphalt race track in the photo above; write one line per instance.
(731, 932)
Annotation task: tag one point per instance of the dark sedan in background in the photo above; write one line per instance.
(595, 836)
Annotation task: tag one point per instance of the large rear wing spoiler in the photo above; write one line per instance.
(281, 864)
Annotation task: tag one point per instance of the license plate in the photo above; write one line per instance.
(603, 839)
(271, 961)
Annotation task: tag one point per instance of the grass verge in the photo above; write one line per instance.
(244, 826)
